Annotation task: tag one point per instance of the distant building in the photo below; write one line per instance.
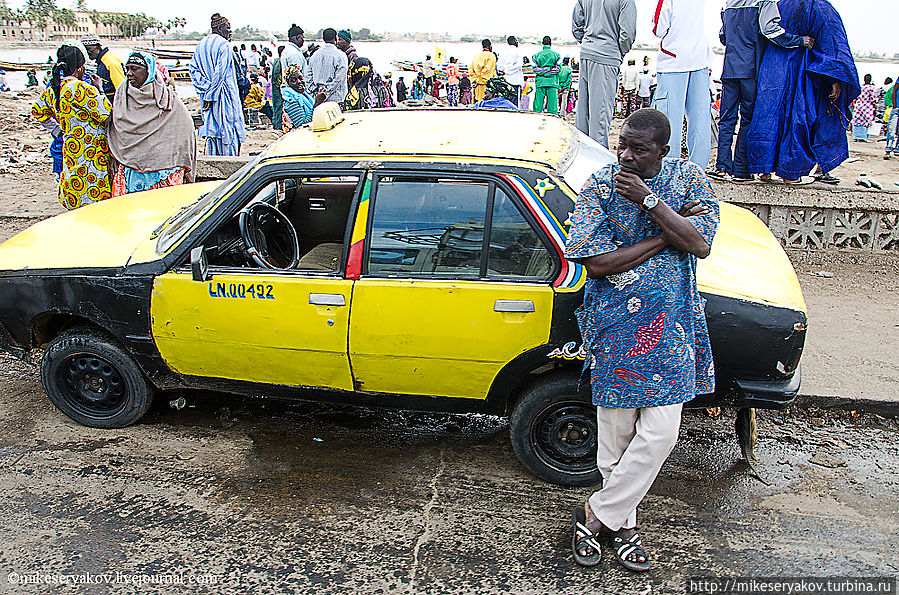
(84, 23)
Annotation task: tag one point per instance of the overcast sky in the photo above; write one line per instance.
(871, 24)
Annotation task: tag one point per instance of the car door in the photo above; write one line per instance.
(453, 287)
(260, 325)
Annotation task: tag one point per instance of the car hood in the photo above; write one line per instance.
(100, 235)
(747, 262)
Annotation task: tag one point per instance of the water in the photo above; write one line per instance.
(383, 53)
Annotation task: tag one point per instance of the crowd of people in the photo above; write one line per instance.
(800, 125)
(118, 130)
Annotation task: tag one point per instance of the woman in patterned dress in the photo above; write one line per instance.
(82, 111)
(863, 111)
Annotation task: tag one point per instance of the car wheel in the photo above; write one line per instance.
(553, 430)
(94, 381)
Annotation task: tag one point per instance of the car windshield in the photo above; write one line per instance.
(174, 228)
(591, 157)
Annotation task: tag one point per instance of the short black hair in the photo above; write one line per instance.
(868, 79)
(652, 120)
(329, 35)
(547, 40)
(511, 40)
(888, 81)
(486, 44)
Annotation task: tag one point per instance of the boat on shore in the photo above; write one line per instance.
(20, 66)
(179, 73)
(169, 54)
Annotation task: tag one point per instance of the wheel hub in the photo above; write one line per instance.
(92, 386)
(564, 436)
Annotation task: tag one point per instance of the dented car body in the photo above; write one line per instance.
(407, 259)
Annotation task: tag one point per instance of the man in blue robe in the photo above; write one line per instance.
(802, 109)
(212, 71)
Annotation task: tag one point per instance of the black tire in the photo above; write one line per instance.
(90, 378)
(553, 431)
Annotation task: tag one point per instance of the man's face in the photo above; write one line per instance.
(298, 40)
(342, 43)
(93, 51)
(639, 153)
(136, 74)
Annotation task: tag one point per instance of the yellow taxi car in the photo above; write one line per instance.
(397, 258)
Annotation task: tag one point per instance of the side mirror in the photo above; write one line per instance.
(199, 267)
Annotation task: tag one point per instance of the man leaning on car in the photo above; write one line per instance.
(638, 227)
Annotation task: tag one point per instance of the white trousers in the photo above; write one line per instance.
(632, 445)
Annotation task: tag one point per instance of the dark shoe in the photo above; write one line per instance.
(717, 174)
(827, 179)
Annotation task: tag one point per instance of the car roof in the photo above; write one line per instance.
(500, 134)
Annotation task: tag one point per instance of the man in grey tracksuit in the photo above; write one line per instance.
(606, 30)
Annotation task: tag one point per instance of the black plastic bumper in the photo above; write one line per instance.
(769, 394)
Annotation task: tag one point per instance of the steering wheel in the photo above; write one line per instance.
(268, 236)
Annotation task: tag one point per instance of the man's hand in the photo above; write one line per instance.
(632, 187)
(808, 41)
(693, 208)
(207, 105)
(96, 81)
(835, 91)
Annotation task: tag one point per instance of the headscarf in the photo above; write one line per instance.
(68, 60)
(150, 128)
(293, 68)
(500, 88)
(146, 60)
(345, 35)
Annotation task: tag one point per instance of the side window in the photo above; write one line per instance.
(516, 251)
(428, 226)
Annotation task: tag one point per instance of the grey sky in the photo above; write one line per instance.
(871, 24)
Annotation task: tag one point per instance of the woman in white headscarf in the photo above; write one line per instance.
(152, 135)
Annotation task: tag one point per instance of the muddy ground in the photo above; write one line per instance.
(271, 498)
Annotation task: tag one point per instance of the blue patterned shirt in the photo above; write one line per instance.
(644, 330)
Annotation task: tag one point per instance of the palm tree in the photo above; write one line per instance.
(65, 18)
(37, 13)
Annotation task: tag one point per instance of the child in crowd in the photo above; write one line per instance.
(254, 101)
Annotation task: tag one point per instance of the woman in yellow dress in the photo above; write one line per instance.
(82, 112)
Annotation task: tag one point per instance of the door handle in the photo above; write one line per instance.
(327, 299)
(513, 306)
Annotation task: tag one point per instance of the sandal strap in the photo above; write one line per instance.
(589, 541)
(586, 536)
(625, 547)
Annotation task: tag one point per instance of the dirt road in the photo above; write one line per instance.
(266, 498)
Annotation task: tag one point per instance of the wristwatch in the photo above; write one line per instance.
(650, 201)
